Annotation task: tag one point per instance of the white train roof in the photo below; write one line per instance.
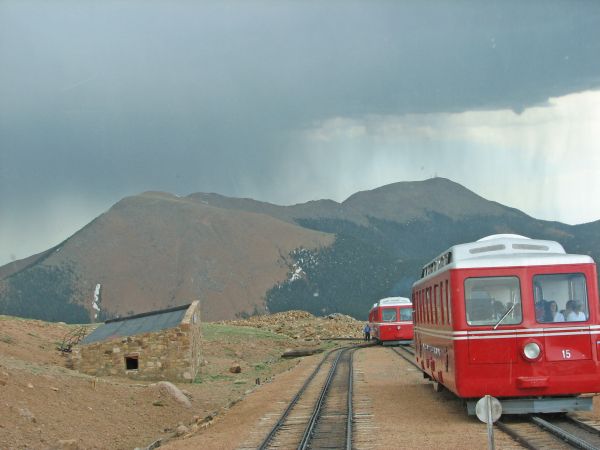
(503, 250)
(393, 301)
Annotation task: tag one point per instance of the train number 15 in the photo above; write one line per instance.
(566, 354)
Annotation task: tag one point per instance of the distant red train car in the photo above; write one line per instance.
(510, 317)
(391, 321)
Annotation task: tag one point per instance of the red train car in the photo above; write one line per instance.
(391, 321)
(510, 317)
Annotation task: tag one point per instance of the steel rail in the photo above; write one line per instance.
(584, 426)
(284, 415)
(551, 429)
(516, 435)
(350, 396)
(406, 357)
(317, 409)
(562, 434)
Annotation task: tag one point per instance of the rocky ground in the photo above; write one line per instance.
(304, 326)
(43, 404)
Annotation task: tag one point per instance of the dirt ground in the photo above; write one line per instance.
(408, 414)
(44, 405)
(395, 409)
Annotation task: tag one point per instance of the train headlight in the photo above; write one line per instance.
(532, 350)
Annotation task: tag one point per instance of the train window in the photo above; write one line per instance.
(448, 303)
(428, 304)
(405, 314)
(442, 309)
(436, 300)
(493, 301)
(388, 315)
(560, 298)
(438, 312)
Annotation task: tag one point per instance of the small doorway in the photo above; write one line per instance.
(131, 362)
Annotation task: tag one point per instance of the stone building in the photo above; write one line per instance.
(157, 345)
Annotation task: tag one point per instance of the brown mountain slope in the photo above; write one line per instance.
(156, 250)
(314, 209)
(404, 201)
(398, 202)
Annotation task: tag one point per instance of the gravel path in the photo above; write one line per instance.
(395, 409)
(408, 414)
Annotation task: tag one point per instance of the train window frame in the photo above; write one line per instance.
(394, 310)
(436, 299)
(492, 312)
(424, 300)
(423, 306)
(448, 303)
(442, 310)
(434, 304)
(537, 281)
(428, 303)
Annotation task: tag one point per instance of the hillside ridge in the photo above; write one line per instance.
(241, 256)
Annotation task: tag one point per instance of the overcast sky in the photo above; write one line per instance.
(288, 101)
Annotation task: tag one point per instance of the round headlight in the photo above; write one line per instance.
(531, 350)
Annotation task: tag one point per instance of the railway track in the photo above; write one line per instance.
(535, 432)
(407, 352)
(551, 431)
(320, 415)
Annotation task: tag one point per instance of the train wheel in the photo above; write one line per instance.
(438, 387)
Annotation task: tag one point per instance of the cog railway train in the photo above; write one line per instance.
(391, 322)
(510, 317)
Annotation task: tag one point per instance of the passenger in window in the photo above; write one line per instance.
(574, 313)
(540, 311)
(569, 310)
(554, 312)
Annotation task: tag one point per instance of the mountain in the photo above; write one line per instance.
(397, 202)
(242, 256)
(154, 251)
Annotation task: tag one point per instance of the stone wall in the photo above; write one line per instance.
(173, 354)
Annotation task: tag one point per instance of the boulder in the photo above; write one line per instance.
(294, 353)
(181, 430)
(173, 391)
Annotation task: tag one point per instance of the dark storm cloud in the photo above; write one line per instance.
(111, 98)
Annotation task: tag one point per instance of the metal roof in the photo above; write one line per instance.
(502, 250)
(394, 301)
(140, 323)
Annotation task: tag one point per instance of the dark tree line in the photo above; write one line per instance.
(367, 263)
(44, 293)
